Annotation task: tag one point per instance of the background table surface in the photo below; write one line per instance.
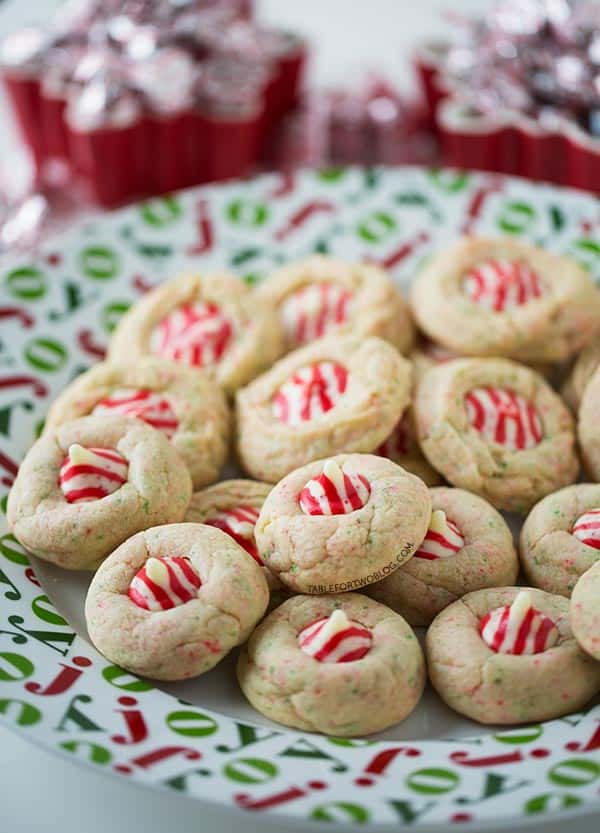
(38, 791)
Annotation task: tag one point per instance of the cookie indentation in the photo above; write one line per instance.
(91, 473)
(197, 334)
(143, 404)
(238, 522)
(501, 285)
(443, 538)
(335, 638)
(311, 392)
(504, 417)
(164, 583)
(309, 312)
(518, 628)
(334, 492)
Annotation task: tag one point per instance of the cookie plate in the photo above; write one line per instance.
(200, 738)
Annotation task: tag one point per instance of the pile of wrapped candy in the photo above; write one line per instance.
(145, 96)
(529, 68)
(541, 57)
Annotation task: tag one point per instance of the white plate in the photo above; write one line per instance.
(200, 737)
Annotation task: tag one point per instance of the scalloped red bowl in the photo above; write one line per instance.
(507, 142)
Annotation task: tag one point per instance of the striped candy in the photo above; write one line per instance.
(504, 417)
(587, 528)
(91, 473)
(398, 443)
(335, 638)
(309, 312)
(310, 392)
(334, 492)
(239, 523)
(197, 334)
(443, 538)
(518, 628)
(163, 583)
(501, 285)
(144, 404)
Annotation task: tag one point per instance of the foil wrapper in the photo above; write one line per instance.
(538, 57)
(106, 102)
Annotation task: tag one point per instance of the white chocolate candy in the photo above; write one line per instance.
(91, 473)
(518, 628)
(335, 639)
(443, 538)
(334, 492)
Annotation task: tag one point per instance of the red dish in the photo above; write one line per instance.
(506, 142)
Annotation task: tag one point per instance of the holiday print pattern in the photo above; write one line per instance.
(335, 638)
(195, 334)
(239, 523)
(91, 473)
(58, 307)
(587, 528)
(309, 312)
(504, 417)
(163, 583)
(501, 285)
(147, 405)
(334, 492)
(442, 540)
(518, 628)
(311, 392)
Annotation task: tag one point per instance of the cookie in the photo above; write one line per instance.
(213, 321)
(90, 484)
(468, 546)
(402, 448)
(340, 665)
(585, 611)
(496, 428)
(588, 427)
(339, 394)
(186, 405)
(173, 600)
(502, 297)
(342, 523)
(583, 369)
(322, 296)
(233, 506)
(560, 538)
(507, 655)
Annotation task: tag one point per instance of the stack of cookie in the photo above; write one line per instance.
(347, 422)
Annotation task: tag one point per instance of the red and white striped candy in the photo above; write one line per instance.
(239, 523)
(197, 334)
(504, 417)
(163, 583)
(398, 443)
(310, 392)
(91, 473)
(587, 528)
(309, 312)
(334, 492)
(443, 538)
(143, 404)
(335, 638)
(501, 285)
(518, 628)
